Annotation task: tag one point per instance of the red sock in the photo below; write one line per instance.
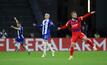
(90, 43)
(71, 51)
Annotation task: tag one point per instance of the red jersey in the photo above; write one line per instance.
(76, 24)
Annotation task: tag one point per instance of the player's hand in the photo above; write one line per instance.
(12, 26)
(16, 20)
(59, 28)
(93, 12)
(81, 18)
(34, 24)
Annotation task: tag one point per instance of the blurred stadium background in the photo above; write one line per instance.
(32, 11)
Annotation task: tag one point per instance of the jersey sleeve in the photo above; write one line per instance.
(65, 26)
(84, 16)
(39, 26)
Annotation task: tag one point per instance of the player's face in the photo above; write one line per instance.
(74, 15)
(47, 16)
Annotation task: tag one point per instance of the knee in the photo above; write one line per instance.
(73, 44)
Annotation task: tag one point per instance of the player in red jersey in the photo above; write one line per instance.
(75, 23)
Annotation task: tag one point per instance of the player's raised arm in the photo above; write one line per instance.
(17, 22)
(92, 12)
(87, 15)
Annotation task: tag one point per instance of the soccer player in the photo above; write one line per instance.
(46, 24)
(20, 37)
(75, 23)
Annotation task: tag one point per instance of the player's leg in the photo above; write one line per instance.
(17, 46)
(72, 50)
(53, 52)
(44, 48)
(25, 46)
(22, 44)
(84, 37)
(90, 43)
(73, 42)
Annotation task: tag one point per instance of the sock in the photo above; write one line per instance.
(71, 51)
(49, 45)
(44, 49)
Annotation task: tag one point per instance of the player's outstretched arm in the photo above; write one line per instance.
(65, 26)
(38, 26)
(62, 27)
(92, 12)
(34, 24)
(15, 27)
(87, 15)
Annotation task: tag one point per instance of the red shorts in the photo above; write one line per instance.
(76, 36)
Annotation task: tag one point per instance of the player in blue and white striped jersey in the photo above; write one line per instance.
(46, 24)
(20, 37)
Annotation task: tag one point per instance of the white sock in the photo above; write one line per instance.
(44, 49)
(49, 45)
(26, 47)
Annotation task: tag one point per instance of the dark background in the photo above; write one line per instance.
(32, 11)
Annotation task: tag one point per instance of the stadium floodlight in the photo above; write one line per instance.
(89, 5)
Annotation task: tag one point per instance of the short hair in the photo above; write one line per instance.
(47, 14)
(74, 11)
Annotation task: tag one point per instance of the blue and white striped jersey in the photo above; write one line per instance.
(46, 26)
(20, 32)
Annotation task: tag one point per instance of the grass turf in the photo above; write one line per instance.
(60, 58)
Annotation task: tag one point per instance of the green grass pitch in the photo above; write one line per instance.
(60, 58)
